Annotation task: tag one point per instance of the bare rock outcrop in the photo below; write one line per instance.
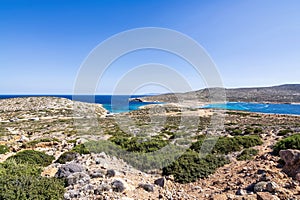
(291, 158)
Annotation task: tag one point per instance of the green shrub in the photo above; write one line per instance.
(32, 157)
(225, 145)
(142, 161)
(35, 142)
(139, 144)
(67, 157)
(247, 154)
(3, 149)
(284, 132)
(190, 167)
(291, 142)
(237, 132)
(257, 130)
(23, 182)
(81, 149)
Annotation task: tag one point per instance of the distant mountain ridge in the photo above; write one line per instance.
(287, 93)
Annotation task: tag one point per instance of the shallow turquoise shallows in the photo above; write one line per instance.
(290, 109)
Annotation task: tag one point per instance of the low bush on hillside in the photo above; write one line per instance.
(142, 161)
(3, 149)
(247, 154)
(23, 182)
(284, 132)
(32, 157)
(139, 144)
(67, 157)
(81, 149)
(225, 145)
(33, 143)
(190, 167)
(291, 142)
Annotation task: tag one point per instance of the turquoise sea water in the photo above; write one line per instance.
(112, 103)
(291, 109)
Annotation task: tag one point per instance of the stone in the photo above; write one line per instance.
(241, 192)
(103, 187)
(271, 186)
(110, 173)
(160, 182)
(266, 196)
(78, 177)
(260, 186)
(96, 175)
(118, 186)
(67, 169)
(147, 187)
(23, 139)
(291, 158)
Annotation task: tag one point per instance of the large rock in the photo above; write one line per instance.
(118, 186)
(78, 177)
(260, 186)
(266, 196)
(68, 169)
(291, 158)
(160, 182)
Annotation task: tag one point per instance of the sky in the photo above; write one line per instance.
(43, 44)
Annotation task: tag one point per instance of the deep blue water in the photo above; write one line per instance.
(112, 103)
(291, 109)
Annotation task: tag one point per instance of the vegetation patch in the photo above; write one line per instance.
(225, 145)
(291, 142)
(284, 132)
(190, 167)
(67, 157)
(247, 154)
(23, 182)
(139, 144)
(32, 157)
(33, 143)
(4, 149)
(81, 149)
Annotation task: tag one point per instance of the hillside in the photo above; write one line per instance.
(289, 93)
(40, 144)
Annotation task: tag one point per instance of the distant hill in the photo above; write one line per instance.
(287, 93)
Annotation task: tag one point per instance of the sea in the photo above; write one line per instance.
(112, 103)
(121, 103)
(290, 109)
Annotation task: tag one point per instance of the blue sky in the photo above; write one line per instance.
(43, 43)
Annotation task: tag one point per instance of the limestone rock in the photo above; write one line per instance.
(67, 169)
(78, 177)
(260, 186)
(291, 158)
(266, 196)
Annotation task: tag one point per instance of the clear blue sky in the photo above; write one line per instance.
(43, 43)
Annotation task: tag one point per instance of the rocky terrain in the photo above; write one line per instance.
(289, 93)
(89, 171)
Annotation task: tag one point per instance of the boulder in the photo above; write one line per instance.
(271, 186)
(266, 196)
(66, 170)
(147, 187)
(118, 186)
(160, 182)
(110, 173)
(78, 177)
(260, 186)
(291, 158)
